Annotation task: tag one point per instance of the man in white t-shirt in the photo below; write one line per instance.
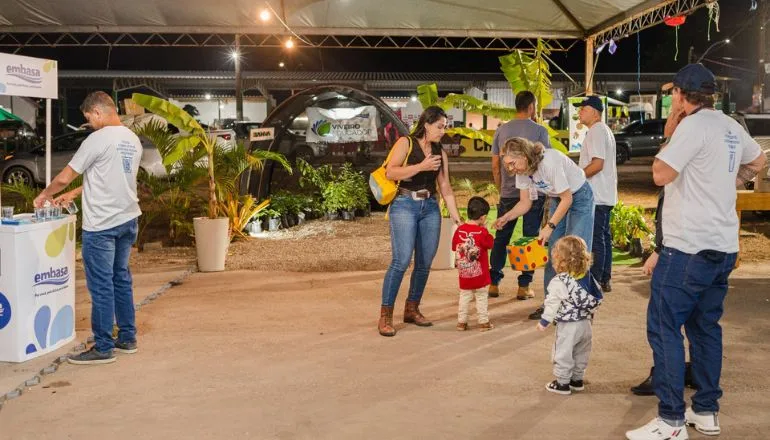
(708, 156)
(109, 160)
(597, 159)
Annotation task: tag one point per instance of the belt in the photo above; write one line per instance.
(422, 194)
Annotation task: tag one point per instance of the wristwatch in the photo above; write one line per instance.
(551, 225)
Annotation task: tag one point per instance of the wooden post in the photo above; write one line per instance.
(590, 42)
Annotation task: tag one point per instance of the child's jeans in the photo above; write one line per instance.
(482, 301)
(571, 350)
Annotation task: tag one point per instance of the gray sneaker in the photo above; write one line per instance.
(91, 357)
(126, 347)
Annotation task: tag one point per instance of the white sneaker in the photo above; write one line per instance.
(707, 424)
(657, 429)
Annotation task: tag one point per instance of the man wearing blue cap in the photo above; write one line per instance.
(708, 155)
(597, 159)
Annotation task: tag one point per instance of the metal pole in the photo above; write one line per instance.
(47, 141)
(590, 66)
(238, 81)
(761, 58)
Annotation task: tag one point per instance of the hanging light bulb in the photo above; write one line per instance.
(289, 43)
(264, 15)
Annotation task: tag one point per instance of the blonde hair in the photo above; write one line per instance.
(533, 152)
(570, 254)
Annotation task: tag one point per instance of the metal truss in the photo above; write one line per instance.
(626, 25)
(122, 84)
(16, 41)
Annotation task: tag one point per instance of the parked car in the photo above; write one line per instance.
(16, 136)
(758, 126)
(639, 139)
(28, 167)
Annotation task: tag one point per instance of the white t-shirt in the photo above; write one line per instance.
(109, 160)
(600, 144)
(706, 149)
(557, 173)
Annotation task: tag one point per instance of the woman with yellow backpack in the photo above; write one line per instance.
(415, 172)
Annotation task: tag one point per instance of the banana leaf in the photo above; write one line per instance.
(525, 72)
(168, 111)
(556, 143)
(427, 94)
(470, 133)
(475, 105)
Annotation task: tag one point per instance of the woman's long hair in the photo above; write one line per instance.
(533, 152)
(429, 116)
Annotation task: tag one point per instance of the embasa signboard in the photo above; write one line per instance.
(26, 76)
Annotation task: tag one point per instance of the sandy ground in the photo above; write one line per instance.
(279, 355)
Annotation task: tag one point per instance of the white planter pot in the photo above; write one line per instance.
(274, 224)
(212, 239)
(445, 258)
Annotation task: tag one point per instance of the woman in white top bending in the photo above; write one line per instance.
(553, 173)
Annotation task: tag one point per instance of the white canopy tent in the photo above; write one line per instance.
(318, 23)
(565, 19)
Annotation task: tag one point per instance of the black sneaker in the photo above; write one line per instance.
(576, 385)
(556, 387)
(606, 286)
(91, 357)
(645, 388)
(537, 314)
(126, 347)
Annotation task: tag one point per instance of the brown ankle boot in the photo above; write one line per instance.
(412, 315)
(385, 326)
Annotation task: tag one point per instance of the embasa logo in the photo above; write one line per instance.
(28, 74)
(54, 277)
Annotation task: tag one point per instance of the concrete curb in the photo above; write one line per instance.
(54, 366)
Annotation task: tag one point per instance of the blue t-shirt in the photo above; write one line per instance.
(523, 128)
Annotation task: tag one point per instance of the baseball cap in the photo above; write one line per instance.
(694, 78)
(592, 101)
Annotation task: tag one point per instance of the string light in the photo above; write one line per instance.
(264, 15)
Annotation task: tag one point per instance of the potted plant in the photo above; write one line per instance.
(212, 234)
(628, 227)
(334, 199)
(241, 211)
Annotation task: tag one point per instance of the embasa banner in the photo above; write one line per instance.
(31, 77)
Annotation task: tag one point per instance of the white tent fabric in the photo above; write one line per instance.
(490, 18)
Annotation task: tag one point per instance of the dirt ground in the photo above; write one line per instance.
(284, 346)
(281, 355)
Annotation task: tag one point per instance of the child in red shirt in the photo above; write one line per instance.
(472, 242)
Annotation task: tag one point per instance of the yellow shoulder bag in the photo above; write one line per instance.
(384, 189)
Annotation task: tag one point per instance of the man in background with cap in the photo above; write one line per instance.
(597, 159)
(708, 156)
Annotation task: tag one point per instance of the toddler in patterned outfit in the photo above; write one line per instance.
(573, 296)
(471, 243)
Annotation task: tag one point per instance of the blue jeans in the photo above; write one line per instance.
(578, 221)
(415, 227)
(602, 246)
(687, 290)
(532, 221)
(105, 257)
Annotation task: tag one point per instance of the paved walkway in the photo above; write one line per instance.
(248, 355)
